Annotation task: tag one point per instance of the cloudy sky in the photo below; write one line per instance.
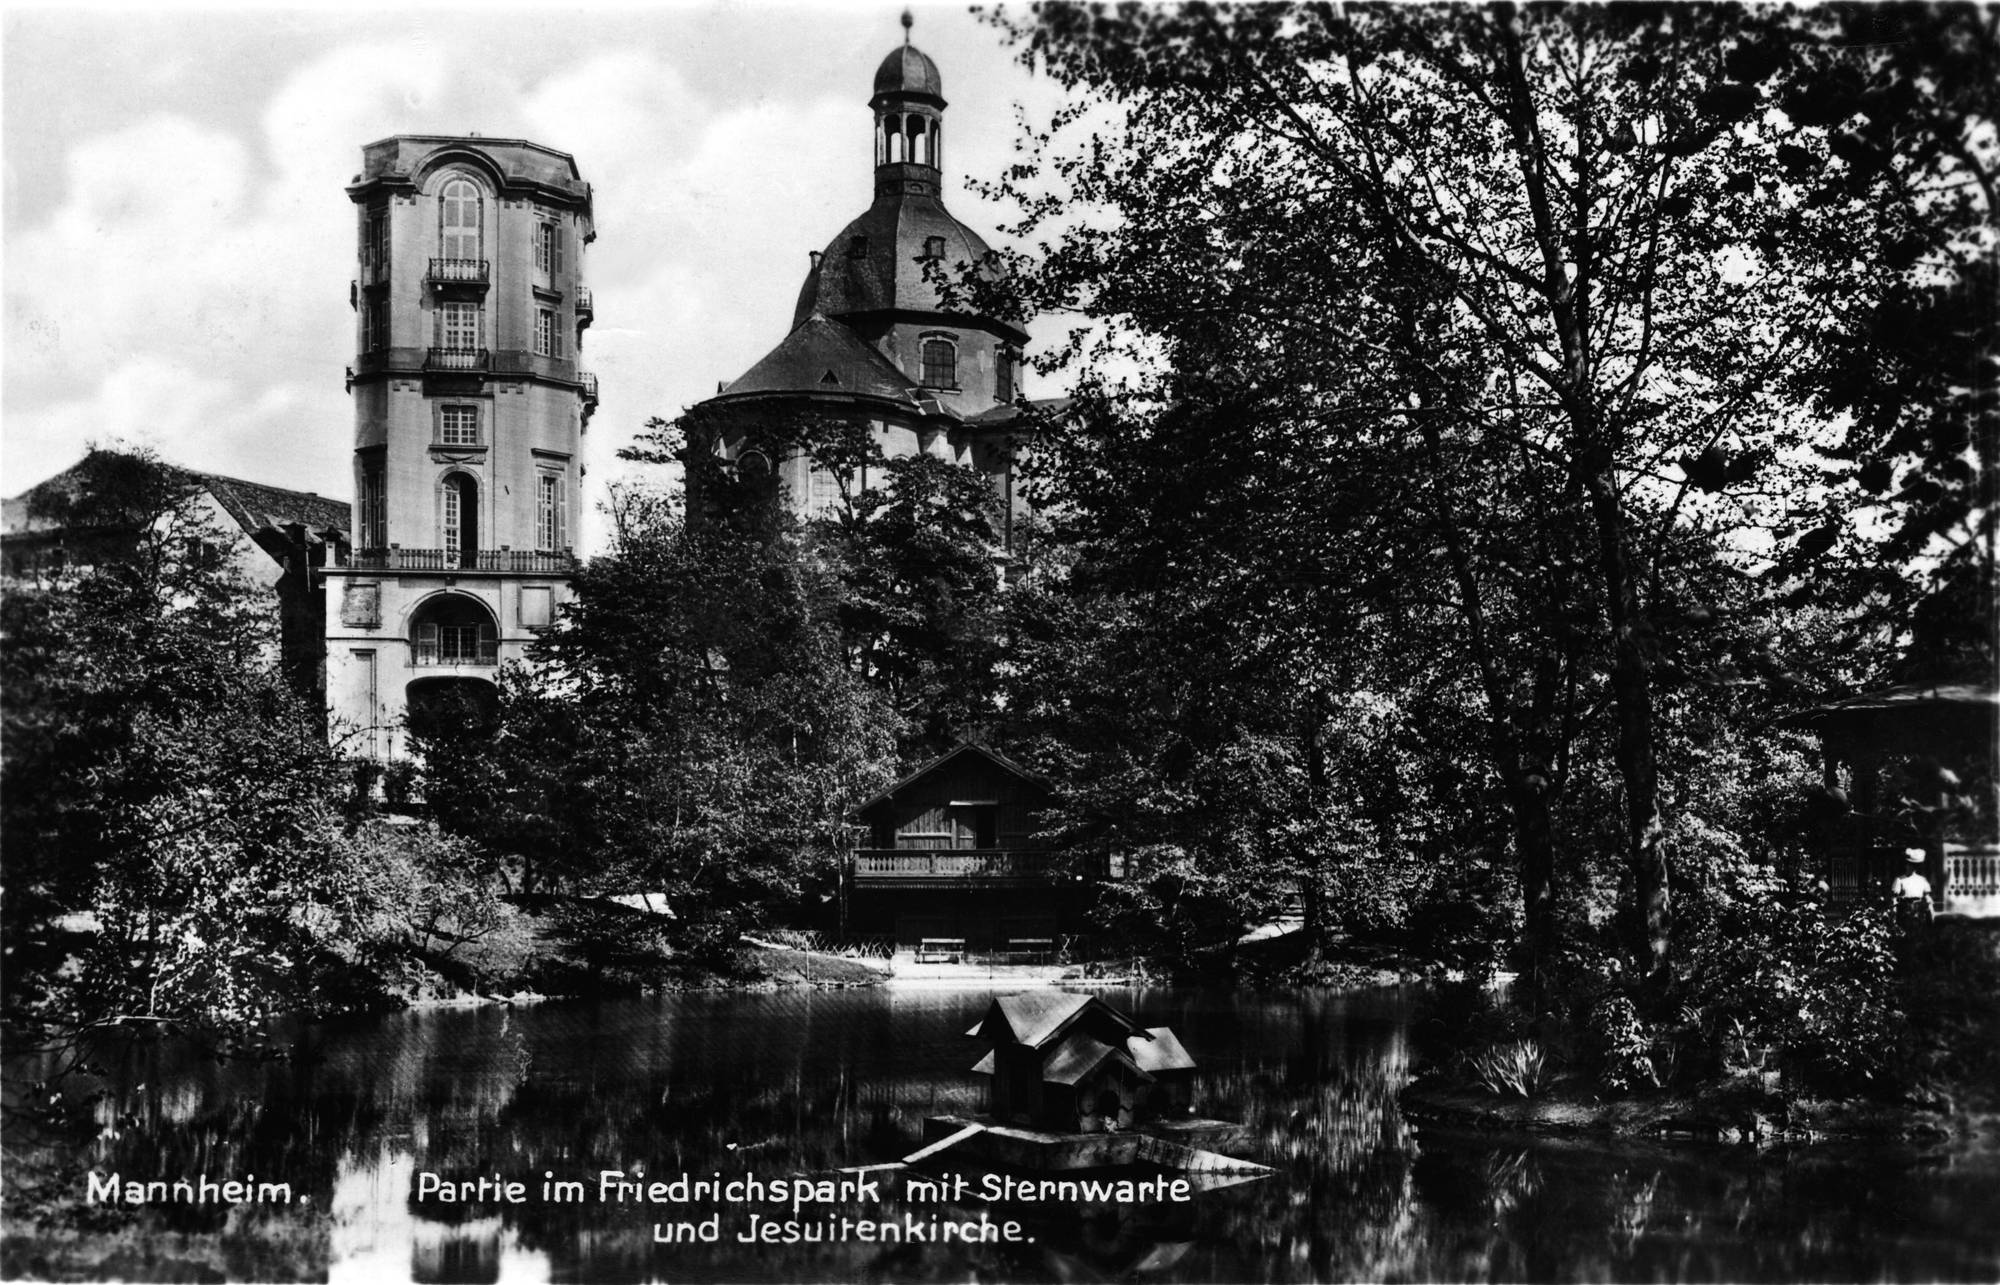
(178, 243)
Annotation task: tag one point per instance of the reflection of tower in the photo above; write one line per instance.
(468, 414)
(873, 339)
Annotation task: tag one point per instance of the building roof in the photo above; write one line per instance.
(909, 71)
(1912, 700)
(822, 357)
(991, 755)
(255, 506)
(1163, 1052)
(1035, 1018)
(1078, 1054)
(876, 263)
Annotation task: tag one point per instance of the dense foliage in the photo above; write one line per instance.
(179, 853)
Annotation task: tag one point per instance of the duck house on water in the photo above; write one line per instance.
(1072, 1083)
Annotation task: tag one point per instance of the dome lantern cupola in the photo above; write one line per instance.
(909, 121)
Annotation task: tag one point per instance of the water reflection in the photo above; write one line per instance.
(782, 1083)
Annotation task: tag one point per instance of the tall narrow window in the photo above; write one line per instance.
(374, 245)
(549, 516)
(458, 325)
(940, 364)
(458, 425)
(374, 507)
(1003, 376)
(374, 323)
(548, 336)
(548, 249)
(458, 220)
(460, 520)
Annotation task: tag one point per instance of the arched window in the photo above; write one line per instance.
(458, 521)
(454, 629)
(940, 363)
(458, 219)
(919, 141)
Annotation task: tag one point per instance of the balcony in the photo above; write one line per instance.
(456, 645)
(456, 359)
(518, 562)
(457, 272)
(589, 382)
(585, 309)
(1970, 885)
(954, 867)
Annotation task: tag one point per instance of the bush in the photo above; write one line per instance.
(1624, 1045)
(1768, 966)
(1517, 1068)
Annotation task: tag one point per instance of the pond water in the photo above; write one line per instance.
(773, 1085)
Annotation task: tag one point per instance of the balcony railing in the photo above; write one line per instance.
(504, 561)
(589, 382)
(958, 863)
(1971, 883)
(456, 359)
(585, 308)
(450, 650)
(459, 271)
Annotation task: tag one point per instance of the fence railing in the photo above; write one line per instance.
(958, 863)
(456, 359)
(513, 561)
(458, 270)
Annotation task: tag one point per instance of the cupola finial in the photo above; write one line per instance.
(909, 20)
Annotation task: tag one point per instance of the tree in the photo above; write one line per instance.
(1558, 263)
(175, 852)
(690, 727)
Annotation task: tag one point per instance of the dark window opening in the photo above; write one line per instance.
(444, 707)
(456, 630)
(940, 364)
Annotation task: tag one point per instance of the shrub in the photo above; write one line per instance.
(1624, 1045)
(1517, 1068)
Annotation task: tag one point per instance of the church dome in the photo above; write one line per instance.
(908, 71)
(876, 263)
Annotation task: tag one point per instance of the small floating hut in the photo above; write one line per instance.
(1072, 1083)
(1072, 1062)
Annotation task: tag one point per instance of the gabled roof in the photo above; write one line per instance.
(1080, 1054)
(1036, 1018)
(991, 755)
(255, 506)
(1163, 1052)
(823, 356)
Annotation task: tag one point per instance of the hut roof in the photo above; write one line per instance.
(1163, 1052)
(1079, 1055)
(992, 755)
(1035, 1018)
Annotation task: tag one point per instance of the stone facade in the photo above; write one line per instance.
(469, 412)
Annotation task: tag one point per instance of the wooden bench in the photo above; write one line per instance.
(940, 950)
(1032, 947)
